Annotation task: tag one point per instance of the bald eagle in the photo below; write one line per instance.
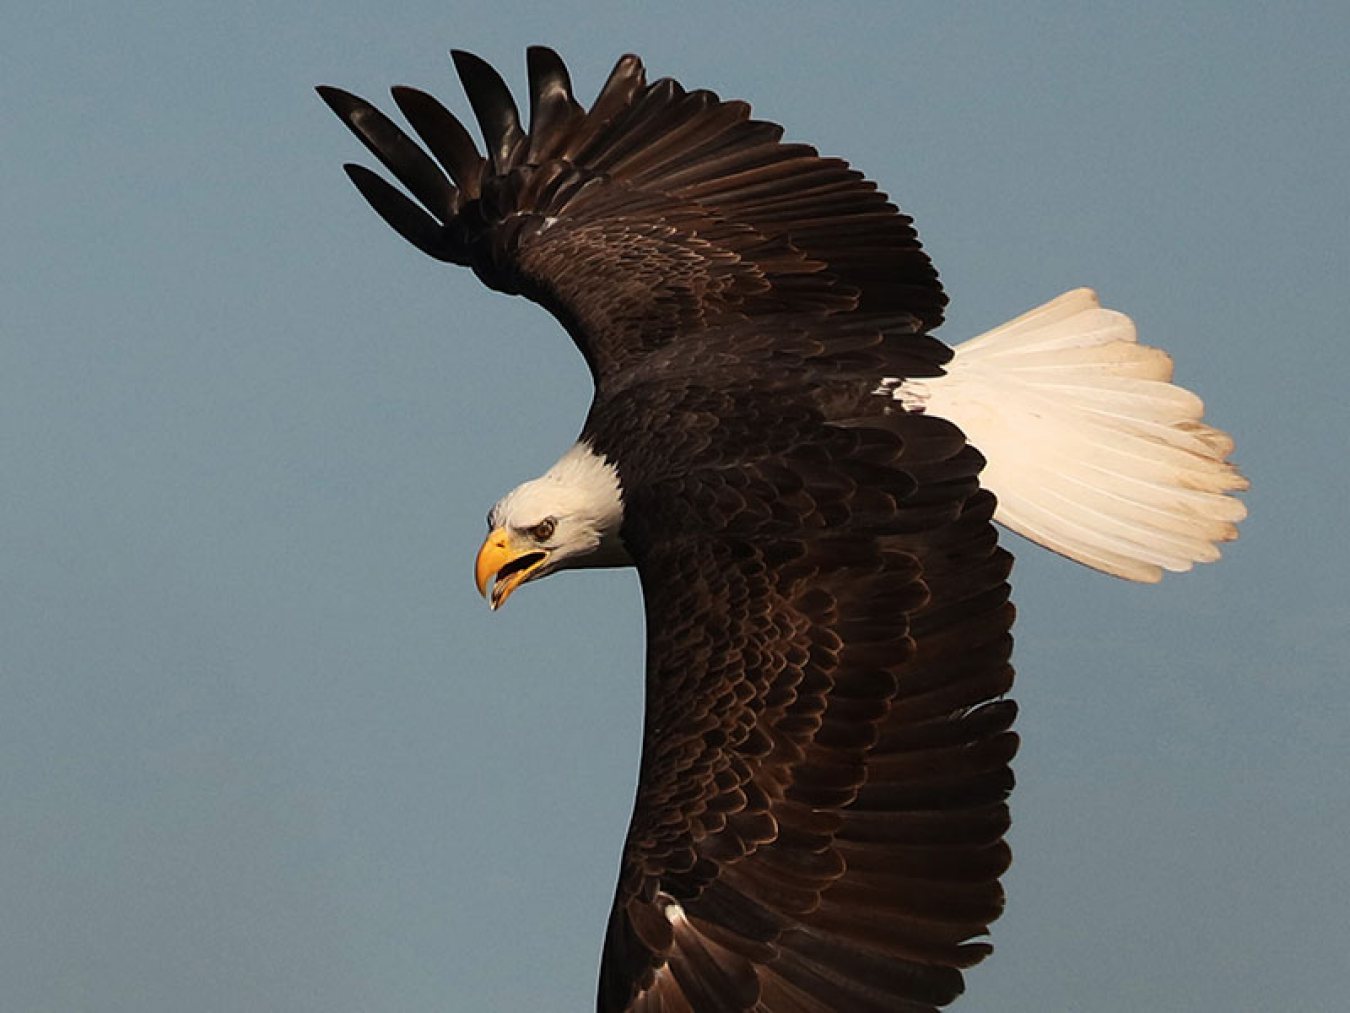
(806, 481)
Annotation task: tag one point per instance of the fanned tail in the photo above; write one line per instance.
(1092, 451)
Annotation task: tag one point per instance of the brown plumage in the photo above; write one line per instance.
(819, 818)
(821, 808)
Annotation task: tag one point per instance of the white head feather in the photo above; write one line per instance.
(582, 497)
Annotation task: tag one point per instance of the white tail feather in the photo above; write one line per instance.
(1091, 450)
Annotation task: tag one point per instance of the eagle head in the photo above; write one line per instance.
(567, 518)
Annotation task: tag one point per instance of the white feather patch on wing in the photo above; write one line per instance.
(1092, 451)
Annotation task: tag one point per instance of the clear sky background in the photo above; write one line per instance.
(261, 745)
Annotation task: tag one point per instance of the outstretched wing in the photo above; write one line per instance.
(644, 220)
(821, 806)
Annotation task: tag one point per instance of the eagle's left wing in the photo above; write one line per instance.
(821, 806)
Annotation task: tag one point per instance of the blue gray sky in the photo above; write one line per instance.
(261, 745)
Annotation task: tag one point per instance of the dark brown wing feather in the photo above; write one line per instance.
(720, 219)
(821, 805)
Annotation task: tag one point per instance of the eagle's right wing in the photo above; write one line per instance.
(651, 216)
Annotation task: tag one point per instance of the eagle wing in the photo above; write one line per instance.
(821, 805)
(653, 216)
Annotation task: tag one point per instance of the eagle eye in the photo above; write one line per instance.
(543, 531)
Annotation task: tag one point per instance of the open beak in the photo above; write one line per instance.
(506, 564)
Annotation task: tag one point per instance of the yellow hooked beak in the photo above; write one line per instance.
(509, 562)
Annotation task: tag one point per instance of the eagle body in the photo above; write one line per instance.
(807, 482)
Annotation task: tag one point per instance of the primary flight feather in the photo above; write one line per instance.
(806, 481)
